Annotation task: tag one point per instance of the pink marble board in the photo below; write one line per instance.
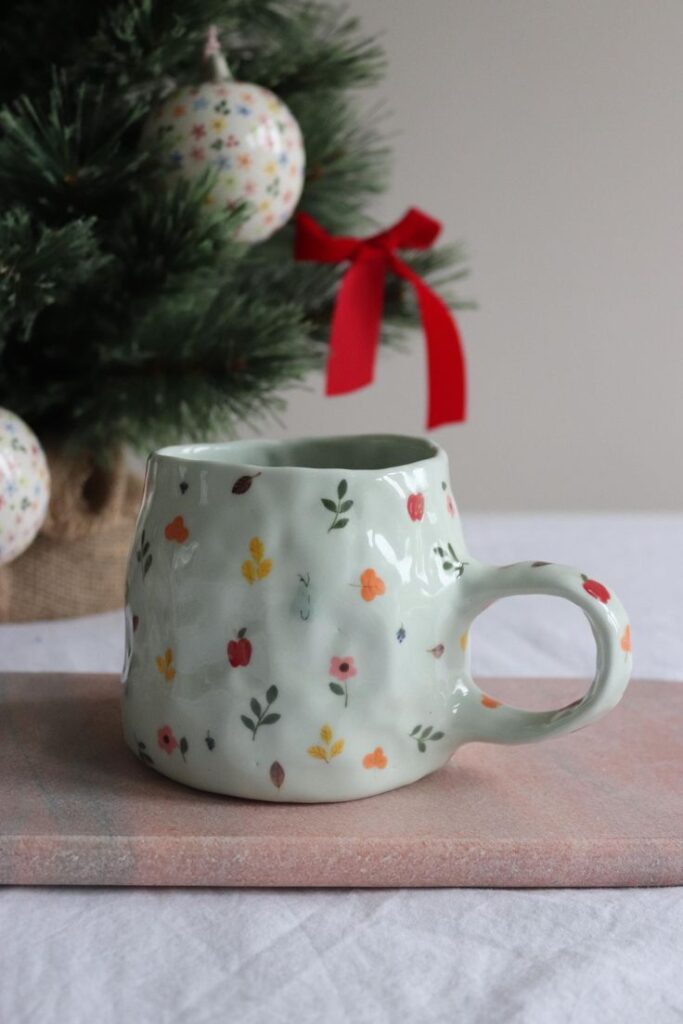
(602, 807)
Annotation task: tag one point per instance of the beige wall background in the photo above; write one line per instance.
(549, 137)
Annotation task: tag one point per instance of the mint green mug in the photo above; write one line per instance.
(297, 620)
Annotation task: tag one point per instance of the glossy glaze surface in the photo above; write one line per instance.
(298, 615)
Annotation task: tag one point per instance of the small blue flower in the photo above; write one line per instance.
(244, 111)
(283, 159)
(10, 487)
(176, 160)
(224, 163)
(200, 104)
(10, 427)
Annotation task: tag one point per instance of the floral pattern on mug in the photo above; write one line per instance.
(424, 736)
(166, 739)
(377, 759)
(342, 669)
(338, 507)
(176, 530)
(258, 567)
(371, 585)
(329, 749)
(489, 702)
(165, 665)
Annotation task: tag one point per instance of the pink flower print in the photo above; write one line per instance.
(244, 160)
(231, 141)
(198, 153)
(287, 196)
(293, 171)
(450, 505)
(342, 669)
(249, 188)
(199, 131)
(166, 739)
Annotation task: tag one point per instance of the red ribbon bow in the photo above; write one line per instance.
(358, 310)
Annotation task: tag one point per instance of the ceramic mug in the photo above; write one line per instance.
(297, 621)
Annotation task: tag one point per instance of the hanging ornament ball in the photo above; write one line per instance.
(24, 486)
(245, 133)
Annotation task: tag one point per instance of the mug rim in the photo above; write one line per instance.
(422, 449)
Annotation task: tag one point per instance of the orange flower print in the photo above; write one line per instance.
(179, 110)
(377, 759)
(371, 585)
(244, 160)
(625, 641)
(489, 702)
(176, 530)
(165, 665)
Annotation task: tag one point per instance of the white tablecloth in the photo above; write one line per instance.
(200, 956)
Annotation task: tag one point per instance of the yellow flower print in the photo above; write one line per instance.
(257, 567)
(270, 167)
(463, 641)
(264, 206)
(165, 665)
(218, 125)
(329, 749)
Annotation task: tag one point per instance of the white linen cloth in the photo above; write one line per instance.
(514, 957)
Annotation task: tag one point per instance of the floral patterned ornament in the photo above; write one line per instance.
(258, 567)
(329, 750)
(416, 507)
(342, 669)
(338, 507)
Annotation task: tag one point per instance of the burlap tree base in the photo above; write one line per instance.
(77, 564)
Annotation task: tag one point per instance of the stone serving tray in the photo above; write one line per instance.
(602, 807)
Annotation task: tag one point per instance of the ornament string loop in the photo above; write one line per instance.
(357, 316)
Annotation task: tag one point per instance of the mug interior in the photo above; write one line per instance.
(355, 452)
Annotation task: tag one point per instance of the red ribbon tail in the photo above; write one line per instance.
(356, 327)
(445, 359)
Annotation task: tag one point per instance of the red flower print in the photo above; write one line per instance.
(166, 739)
(450, 505)
(416, 506)
(179, 110)
(239, 650)
(176, 530)
(197, 153)
(489, 702)
(343, 668)
(199, 131)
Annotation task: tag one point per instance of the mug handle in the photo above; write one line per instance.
(491, 721)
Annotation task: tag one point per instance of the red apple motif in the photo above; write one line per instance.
(595, 589)
(239, 650)
(416, 506)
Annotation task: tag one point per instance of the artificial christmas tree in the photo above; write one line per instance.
(131, 312)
